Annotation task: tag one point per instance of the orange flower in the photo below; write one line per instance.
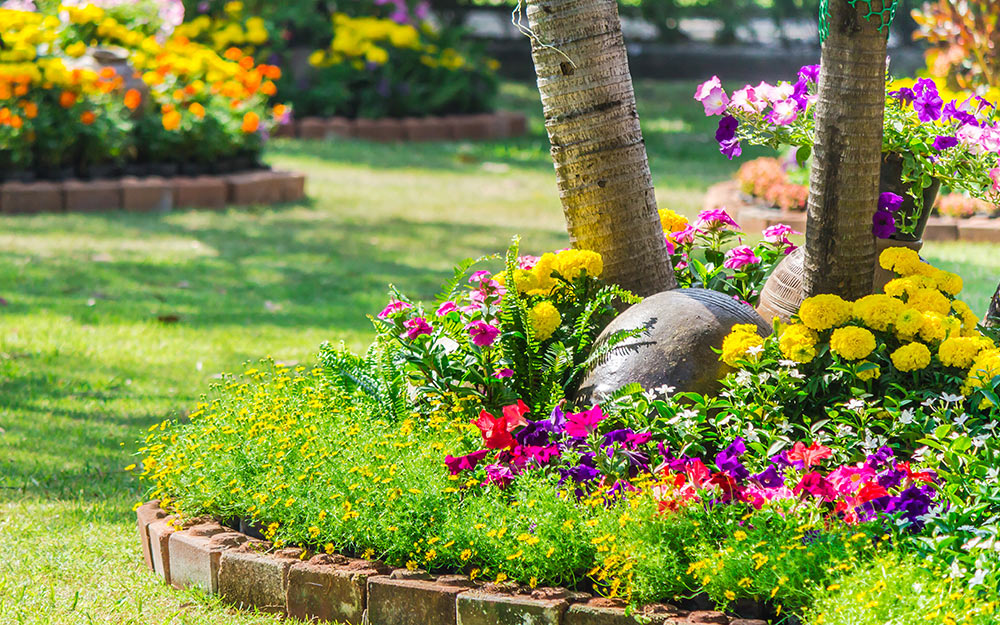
(67, 99)
(88, 118)
(197, 110)
(273, 72)
(16, 121)
(172, 120)
(133, 99)
(4, 115)
(251, 122)
(178, 94)
(107, 73)
(279, 110)
(246, 62)
(233, 54)
(21, 90)
(268, 88)
(30, 109)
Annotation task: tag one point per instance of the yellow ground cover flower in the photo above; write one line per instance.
(852, 343)
(911, 357)
(823, 312)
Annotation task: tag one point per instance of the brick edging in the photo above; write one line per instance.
(249, 573)
(499, 125)
(754, 217)
(153, 193)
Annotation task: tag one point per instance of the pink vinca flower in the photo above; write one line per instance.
(417, 326)
(716, 218)
(482, 333)
(739, 257)
(446, 308)
(503, 373)
(392, 308)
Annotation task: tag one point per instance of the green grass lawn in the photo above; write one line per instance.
(112, 322)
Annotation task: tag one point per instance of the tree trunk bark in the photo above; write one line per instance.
(600, 157)
(840, 247)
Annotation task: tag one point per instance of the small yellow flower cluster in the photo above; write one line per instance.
(671, 221)
(740, 343)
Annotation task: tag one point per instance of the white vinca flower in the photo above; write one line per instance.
(906, 417)
(791, 364)
(856, 405)
(743, 377)
(952, 399)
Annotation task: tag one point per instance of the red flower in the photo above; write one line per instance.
(496, 431)
(870, 491)
(809, 456)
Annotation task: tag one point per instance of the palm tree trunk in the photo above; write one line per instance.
(600, 157)
(840, 248)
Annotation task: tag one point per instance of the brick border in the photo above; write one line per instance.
(755, 217)
(485, 126)
(153, 193)
(249, 573)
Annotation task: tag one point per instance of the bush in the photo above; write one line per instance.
(60, 108)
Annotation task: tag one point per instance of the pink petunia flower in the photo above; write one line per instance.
(580, 424)
(748, 101)
(527, 262)
(705, 88)
(716, 102)
(784, 112)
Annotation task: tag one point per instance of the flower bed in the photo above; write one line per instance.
(360, 65)
(849, 455)
(83, 94)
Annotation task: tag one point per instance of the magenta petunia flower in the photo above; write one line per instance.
(995, 177)
(810, 73)
(580, 424)
(883, 224)
(464, 463)
(715, 218)
(684, 236)
(392, 308)
(480, 276)
(446, 308)
(503, 373)
(417, 326)
(482, 333)
(739, 257)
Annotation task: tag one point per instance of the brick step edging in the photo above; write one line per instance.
(485, 126)
(249, 573)
(756, 217)
(152, 194)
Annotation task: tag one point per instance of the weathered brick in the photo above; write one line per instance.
(979, 230)
(340, 127)
(311, 128)
(747, 621)
(17, 198)
(195, 554)
(147, 194)
(159, 541)
(517, 123)
(427, 129)
(601, 611)
(471, 127)
(329, 588)
(795, 219)
(384, 130)
(941, 229)
(92, 195)
(708, 617)
(292, 185)
(252, 578)
(144, 515)
(200, 192)
(478, 607)
(281, 131)
(411, 601)
(256, 187)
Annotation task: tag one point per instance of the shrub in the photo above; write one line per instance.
(766, 179)
(61, 109)
(961, 206)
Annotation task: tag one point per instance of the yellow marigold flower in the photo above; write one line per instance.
(76, 49)
(671, 221)
(798, 343)
(544, 319)
(543, 273)
(929, 300)
(908, 285)
(739, 342)
(933, 330)
(823, 312)
(911, 357)
(571, 263)
(870, 373)
(949, 282)
(525, 280)
(969, 318)
(908, 323)
(878, 312)
(902, 260)
(985, 367)
(852, 343)
(960, 351)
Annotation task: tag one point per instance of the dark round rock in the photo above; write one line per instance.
(682, 327)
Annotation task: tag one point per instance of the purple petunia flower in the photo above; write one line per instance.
(769, 478)
(928, 103)
(810, 73)
(943, 142)
(883, 224)
(731, 149)
(889, 201)
(728, 460)
(727, 128)
(958, 112)
(904, 95)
